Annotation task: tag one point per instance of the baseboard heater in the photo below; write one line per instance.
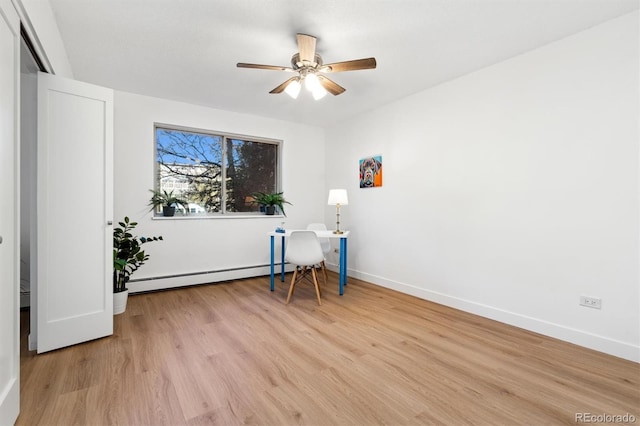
(191, 274)
(136, 285)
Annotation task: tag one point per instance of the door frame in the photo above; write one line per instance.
(10, 386)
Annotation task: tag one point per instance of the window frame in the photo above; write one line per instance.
(223, 199)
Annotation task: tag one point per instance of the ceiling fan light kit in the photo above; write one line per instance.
(309, 68)
(312, 84)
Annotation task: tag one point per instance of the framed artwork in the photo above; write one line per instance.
(371, 172)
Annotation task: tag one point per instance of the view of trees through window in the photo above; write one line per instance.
(194, 166)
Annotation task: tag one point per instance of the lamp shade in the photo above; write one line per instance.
(311, 82)
(293, 89)
(338, 197)
(319, 93)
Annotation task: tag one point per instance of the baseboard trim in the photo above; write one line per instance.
(579, 337)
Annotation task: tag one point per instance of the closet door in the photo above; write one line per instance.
(74, 212)
(9, 214)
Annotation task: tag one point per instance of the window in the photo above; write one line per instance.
(215, 173)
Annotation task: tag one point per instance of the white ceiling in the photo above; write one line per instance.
(187, 50)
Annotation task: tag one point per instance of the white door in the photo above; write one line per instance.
(74, 212)
(9, 214)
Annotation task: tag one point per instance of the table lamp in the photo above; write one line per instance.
(338, 197)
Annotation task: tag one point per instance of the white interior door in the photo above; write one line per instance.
(74, 212)
(9, 214)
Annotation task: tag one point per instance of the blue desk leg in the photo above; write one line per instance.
(343, 264)
(273, 287)
(282, 262)
(346, 265)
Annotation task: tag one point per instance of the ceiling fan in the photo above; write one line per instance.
(308, 67)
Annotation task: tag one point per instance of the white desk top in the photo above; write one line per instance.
(320, 234)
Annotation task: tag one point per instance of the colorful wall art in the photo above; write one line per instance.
(371, 172)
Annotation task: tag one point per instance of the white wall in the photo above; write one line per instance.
(511, 191)
(40, 23)
(199, 245)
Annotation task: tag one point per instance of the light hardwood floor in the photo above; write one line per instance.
(234, 353)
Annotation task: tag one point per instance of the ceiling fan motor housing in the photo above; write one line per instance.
(297, 64)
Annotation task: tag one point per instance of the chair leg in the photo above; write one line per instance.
(320, 288)
(293, 284)
(315, 283)
(324, 272)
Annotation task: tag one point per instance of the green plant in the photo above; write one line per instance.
(166, 199)
(270, 199)
(128, 255)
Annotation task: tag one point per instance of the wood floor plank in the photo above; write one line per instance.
(234, 353)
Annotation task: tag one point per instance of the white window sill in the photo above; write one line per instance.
(218, 216)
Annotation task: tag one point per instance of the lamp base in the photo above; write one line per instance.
(337, 231)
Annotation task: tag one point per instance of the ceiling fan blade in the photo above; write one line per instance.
(264, 67)
(283, 86)
(357, 64)
(306, 47)
(332, 87)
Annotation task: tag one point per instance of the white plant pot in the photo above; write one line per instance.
(120, 302)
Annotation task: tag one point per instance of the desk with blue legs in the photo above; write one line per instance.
(321, 234)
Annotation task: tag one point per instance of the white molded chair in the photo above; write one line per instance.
(324, 243)
(304, 252)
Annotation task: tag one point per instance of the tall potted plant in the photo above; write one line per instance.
(167, 201)
(128, 256)
(270, 200)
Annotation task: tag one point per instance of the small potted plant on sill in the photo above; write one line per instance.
(167, 201)
(128, 256)
(270, 201)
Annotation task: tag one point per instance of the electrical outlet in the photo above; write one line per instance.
(591, 302)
